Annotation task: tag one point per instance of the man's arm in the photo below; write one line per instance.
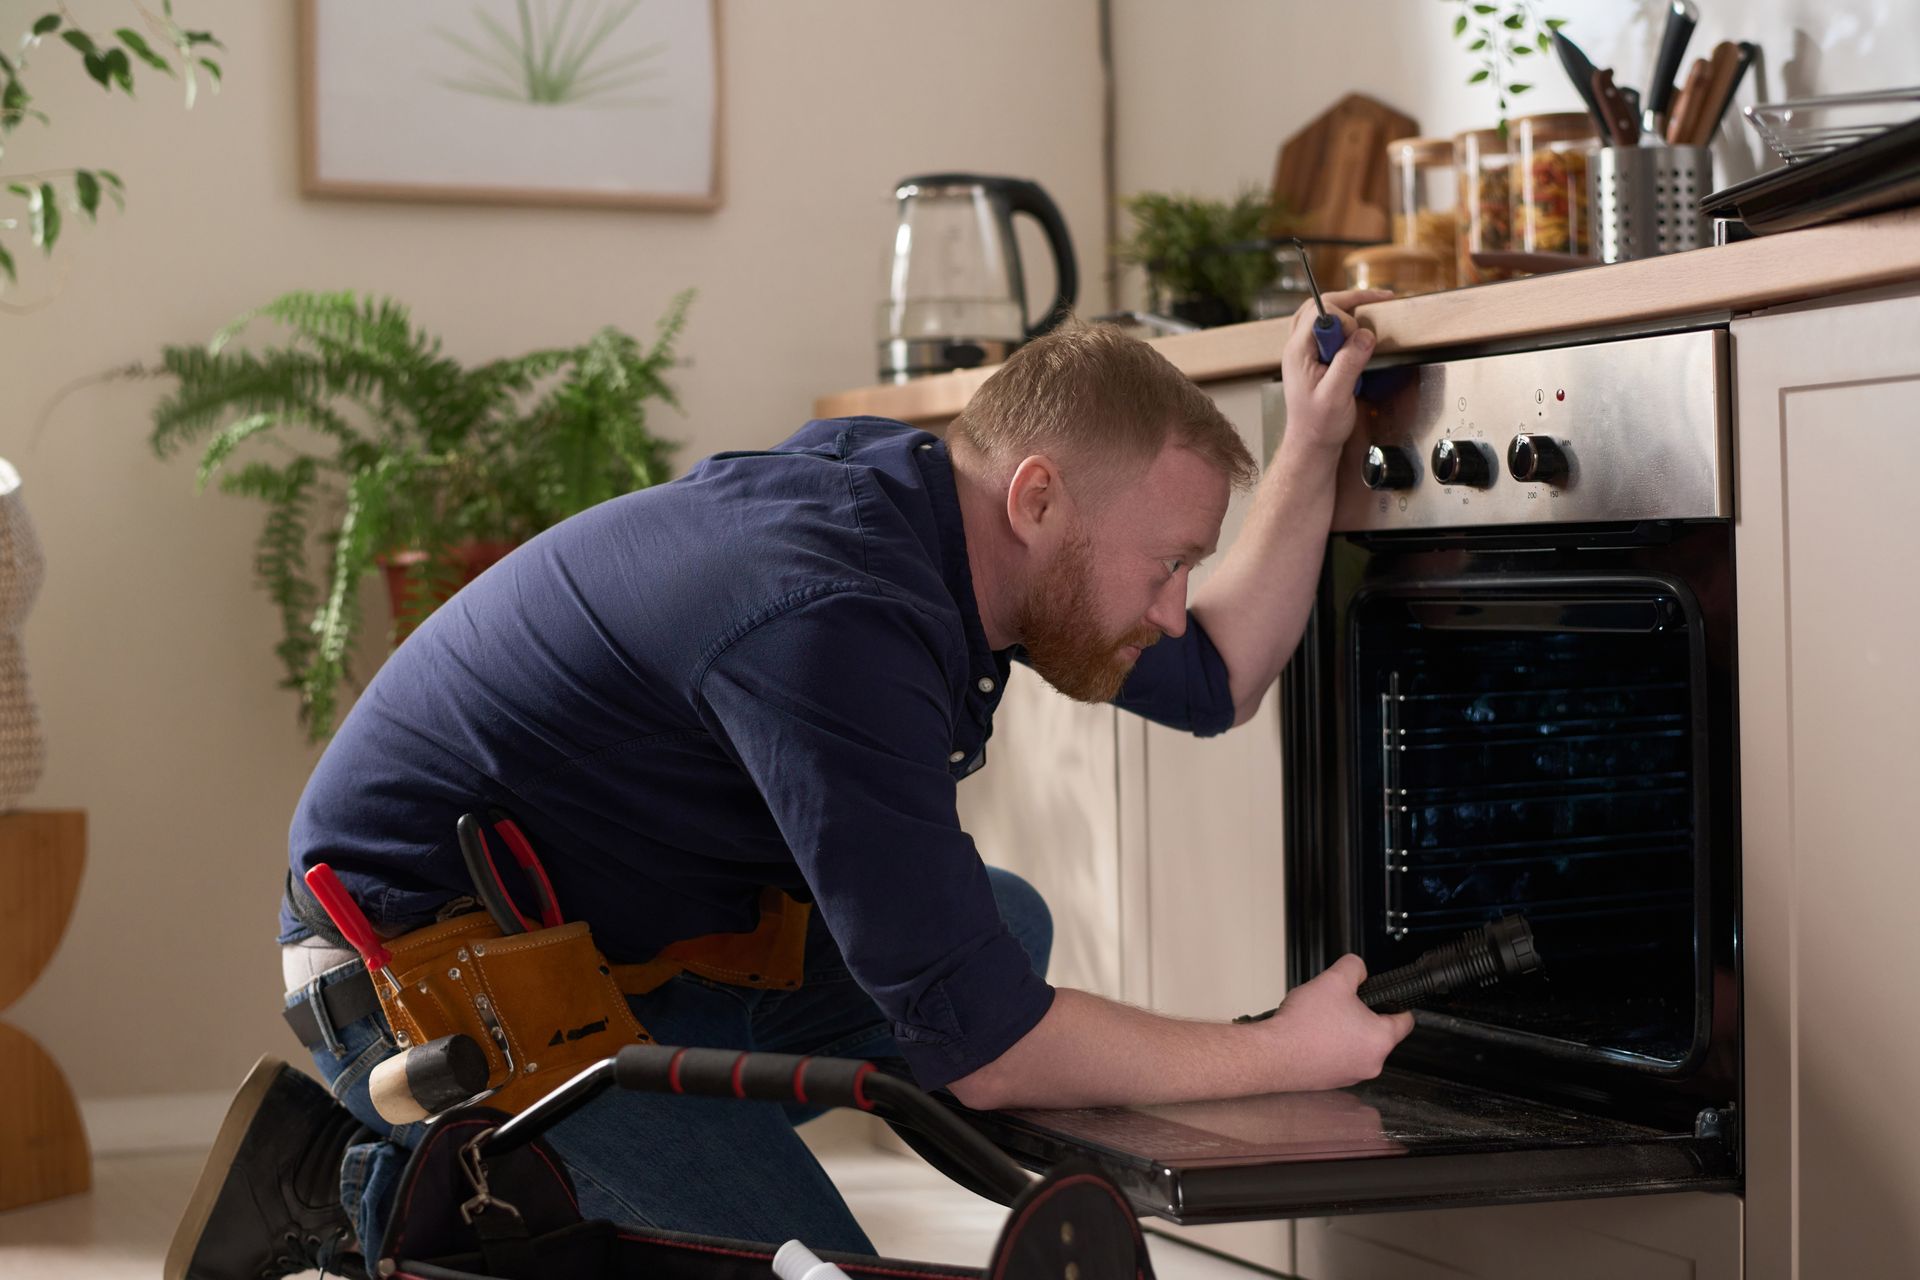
(1089, 1052)
(1255, 605)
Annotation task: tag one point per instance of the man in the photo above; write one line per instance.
(772, 673)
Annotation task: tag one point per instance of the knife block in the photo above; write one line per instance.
(43, 1146)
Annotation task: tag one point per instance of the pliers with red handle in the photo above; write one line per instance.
(487, 884)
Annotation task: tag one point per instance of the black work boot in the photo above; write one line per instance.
(268, 1201)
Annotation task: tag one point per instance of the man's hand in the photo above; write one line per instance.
(1320, 407)
(1324, 1037)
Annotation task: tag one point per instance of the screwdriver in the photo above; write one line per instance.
(1328, 336)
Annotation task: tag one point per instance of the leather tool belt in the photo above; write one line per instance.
(541, 1004)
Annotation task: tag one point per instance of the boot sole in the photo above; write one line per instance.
(213, 1175)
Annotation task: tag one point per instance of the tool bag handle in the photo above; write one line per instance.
(770, 1077)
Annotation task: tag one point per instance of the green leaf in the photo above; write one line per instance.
(1478, 76)
(1477, 45)
(1518, 88)
(97, 68)
(48, 22)
(1513, 22)
(142, 50)
(221, 447)
(6, 264)
(1554, 24)
(81, 41)
(113, 179)
(88, 188)
(214, 68)
(1545, 42)
(203, 37)
(120, 68)
(1459, 25)
(1521, 50)
(1484, 9)
(44, 210)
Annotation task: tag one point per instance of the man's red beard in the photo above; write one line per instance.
(1057, 628)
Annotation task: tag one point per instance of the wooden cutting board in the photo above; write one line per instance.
(1333, 173)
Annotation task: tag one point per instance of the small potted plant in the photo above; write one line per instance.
(388, 454)
(1205, 259)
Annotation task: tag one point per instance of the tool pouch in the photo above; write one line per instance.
(541, 1005)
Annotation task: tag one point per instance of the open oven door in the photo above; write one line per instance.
(1403, 1141)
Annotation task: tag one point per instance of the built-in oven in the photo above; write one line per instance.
(1516, 695)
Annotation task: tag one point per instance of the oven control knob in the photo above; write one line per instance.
(1536, 458)
(1387, 467)
(1462, 462)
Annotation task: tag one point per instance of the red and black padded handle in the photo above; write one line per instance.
(770, 1077)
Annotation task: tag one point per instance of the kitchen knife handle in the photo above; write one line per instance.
(1622, 127)
(1682, 17)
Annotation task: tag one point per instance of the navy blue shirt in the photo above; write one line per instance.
(770, 671)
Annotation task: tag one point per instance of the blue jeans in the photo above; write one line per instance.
(689, 1164)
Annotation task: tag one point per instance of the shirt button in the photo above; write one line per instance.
(985, 684)
(925, 447)
(956, 757)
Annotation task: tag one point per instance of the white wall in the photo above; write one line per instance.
(1209, 89)
(151, 651)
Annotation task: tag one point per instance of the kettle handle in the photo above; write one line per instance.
(1027, 197)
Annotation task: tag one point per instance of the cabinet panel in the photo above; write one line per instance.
(1690, 1237)
(1827, 445)
(1045, 806)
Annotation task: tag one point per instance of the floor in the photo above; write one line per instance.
(120, 1230)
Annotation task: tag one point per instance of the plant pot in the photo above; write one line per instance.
(1207, 312)
(23, 753)
(412, 600)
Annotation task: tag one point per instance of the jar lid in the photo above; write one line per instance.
(1422, 150)
(1558, 126)
(1485, 139)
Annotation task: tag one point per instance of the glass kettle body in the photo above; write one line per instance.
(956, 295)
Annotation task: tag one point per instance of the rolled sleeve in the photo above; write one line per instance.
(839, 709)
(1181, 683)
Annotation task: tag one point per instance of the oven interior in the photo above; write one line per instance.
(1534, 750)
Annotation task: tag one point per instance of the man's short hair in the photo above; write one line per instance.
(1100, 404)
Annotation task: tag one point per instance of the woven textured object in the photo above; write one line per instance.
(23, 753)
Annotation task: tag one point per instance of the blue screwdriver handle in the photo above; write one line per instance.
(1329, 337)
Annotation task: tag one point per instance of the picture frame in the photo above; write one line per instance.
(597, 103)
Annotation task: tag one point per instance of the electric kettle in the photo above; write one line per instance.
(955, 295)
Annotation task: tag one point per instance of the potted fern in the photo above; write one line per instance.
(387, 453)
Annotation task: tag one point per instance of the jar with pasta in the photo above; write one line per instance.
(1425, 201)
(1483, 168)
(1550, 196)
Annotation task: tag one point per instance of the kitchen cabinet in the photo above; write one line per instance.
(1827, 544)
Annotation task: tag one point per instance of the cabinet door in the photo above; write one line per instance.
(1828, 557)
(1046, 807)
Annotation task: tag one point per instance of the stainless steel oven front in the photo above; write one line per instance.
(1516, 694)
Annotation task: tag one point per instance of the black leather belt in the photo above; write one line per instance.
(341, 1003)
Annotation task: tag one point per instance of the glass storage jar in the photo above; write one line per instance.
(1484, 172)
(1407, 269)
(1425, 200)
(1550, 212)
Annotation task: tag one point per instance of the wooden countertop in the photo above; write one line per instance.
(1764, 272)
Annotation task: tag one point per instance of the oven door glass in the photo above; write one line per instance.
(1402, 1141)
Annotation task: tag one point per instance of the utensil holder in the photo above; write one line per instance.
(1646, 200)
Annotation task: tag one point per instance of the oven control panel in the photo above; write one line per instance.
(1631, 429)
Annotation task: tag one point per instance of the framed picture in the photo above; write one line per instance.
(533, 102)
